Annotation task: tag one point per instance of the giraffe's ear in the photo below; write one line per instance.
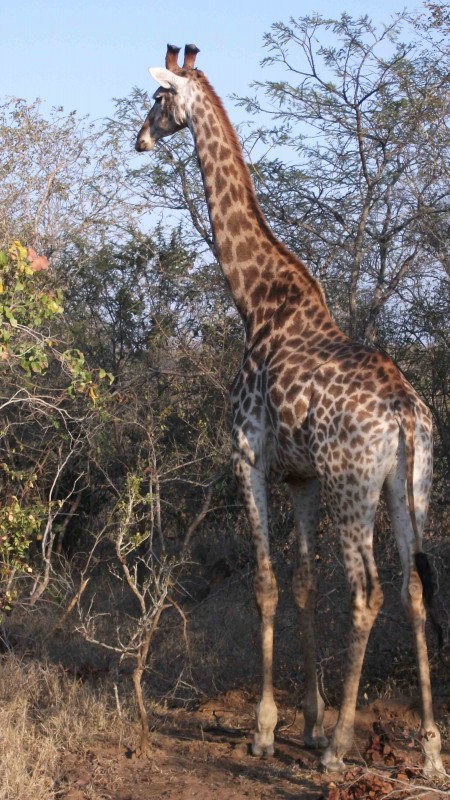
(167, 79)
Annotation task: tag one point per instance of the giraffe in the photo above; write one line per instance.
(330, 417)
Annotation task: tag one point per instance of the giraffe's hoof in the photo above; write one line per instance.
(315, 742)
(434, 768)
(430, 740)
(261, 750)
(331, 763)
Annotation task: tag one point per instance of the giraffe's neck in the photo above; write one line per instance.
(261, 272)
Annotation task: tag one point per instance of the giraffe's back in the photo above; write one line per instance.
(325, 408)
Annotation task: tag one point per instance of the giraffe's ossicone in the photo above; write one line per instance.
(331, 417)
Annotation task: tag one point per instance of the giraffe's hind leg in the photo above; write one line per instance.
(412, 590)
(253, 489)
(367, 598)
(306, 499)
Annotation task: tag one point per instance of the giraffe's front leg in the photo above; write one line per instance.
(253, 488)
(266, 711)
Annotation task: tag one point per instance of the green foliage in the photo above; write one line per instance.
(131, 529)
(39, 430)
(19, 527)
(26, 304)
(27, 309)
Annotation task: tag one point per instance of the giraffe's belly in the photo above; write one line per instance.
(291, 453)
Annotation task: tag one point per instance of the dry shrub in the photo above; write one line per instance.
(29, 758)
(44, 713)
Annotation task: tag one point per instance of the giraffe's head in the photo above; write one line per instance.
(168, 113)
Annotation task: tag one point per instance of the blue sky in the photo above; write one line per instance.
(80, 55)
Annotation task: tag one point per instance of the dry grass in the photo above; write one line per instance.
(44, 714)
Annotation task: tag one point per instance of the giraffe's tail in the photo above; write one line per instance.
(420, 559)
(426, 578)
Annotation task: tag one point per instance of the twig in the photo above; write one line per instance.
(199, 518)
(70, 607)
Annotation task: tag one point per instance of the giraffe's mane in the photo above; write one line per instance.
(235, 145)
(230, 132)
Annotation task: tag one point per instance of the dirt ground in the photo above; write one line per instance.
(205, 754)
(67, 705)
